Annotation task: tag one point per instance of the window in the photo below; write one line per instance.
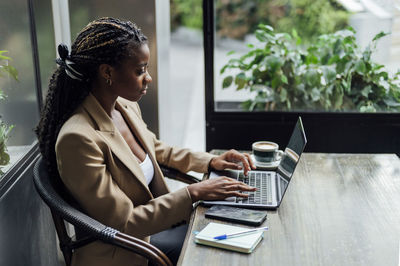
(20, 108)
(349, 115)
(187, 75)
(304, 57)
(143, 14)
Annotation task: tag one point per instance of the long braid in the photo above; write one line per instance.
(103, 41)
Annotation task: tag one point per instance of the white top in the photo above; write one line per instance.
(147, 168)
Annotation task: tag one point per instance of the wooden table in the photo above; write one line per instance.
(340, 209)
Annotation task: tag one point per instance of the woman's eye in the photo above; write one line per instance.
(142, 70)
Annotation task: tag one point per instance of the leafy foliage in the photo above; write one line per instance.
(236, 18)
(5, 69)
(4, 133)
(311, 18)
(332, 74)
(187, 12)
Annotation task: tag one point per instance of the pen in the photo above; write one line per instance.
(248, 231)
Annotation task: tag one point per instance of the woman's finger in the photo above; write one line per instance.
(231, 165)
(232, 183)
(240, 157)
(253, 166)
(233, 187)
(236, 194)
(241, 187)
(245, 162)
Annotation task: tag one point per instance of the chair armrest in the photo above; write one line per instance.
(93, 229)
(141, 247)
(177, 175)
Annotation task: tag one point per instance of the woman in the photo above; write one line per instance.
(92, 136)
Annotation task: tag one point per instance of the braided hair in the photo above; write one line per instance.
(103, 41)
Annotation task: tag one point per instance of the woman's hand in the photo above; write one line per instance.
(231, 159)
(218, 189)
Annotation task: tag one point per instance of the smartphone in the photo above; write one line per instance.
(236, 215)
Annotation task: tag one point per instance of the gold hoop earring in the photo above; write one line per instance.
(109, 82)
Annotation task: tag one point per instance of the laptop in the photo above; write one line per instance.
(271, 185)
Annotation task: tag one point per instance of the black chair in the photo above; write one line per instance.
(93, 230)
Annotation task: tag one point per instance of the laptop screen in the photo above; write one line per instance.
(295, 147)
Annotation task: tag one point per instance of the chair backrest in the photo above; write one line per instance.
(93, 230)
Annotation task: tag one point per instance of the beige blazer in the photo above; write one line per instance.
(102, 173)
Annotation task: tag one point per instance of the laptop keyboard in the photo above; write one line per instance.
(260, 180)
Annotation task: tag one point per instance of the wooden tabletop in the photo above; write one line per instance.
(340, 209)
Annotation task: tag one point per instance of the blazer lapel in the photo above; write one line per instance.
(133, 123)
(114, 139)
(139, 129)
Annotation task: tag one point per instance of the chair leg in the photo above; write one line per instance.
(63, 237)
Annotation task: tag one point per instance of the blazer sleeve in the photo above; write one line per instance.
(181, 159)
(83, 171)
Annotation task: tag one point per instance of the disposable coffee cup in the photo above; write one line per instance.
(266, 151)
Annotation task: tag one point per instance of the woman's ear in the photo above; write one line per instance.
(105, 71)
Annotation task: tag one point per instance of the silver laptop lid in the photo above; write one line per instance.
(291, 157)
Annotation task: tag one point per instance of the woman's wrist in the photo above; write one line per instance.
(210, 166)
(193, 192)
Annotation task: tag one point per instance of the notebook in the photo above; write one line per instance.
(244, 243)
(271, 185)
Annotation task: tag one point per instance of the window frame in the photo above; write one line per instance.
(16, 170)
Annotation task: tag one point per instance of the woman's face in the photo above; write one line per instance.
(131, 78)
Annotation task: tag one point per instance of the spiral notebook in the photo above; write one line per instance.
(245, 243)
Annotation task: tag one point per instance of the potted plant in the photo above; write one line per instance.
(5, 69)
(332, 74)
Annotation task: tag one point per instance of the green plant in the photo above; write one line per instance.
(236, 18)
(332, 75)
(310, 18)
(186, 12)
(5, 69)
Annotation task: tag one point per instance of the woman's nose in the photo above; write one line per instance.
(148, 78)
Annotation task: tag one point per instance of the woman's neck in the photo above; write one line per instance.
(106, 99)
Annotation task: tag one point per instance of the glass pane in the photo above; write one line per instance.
(308, 55)
(46, 41)
(20, 107)
(138, 11)
(187, 74)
